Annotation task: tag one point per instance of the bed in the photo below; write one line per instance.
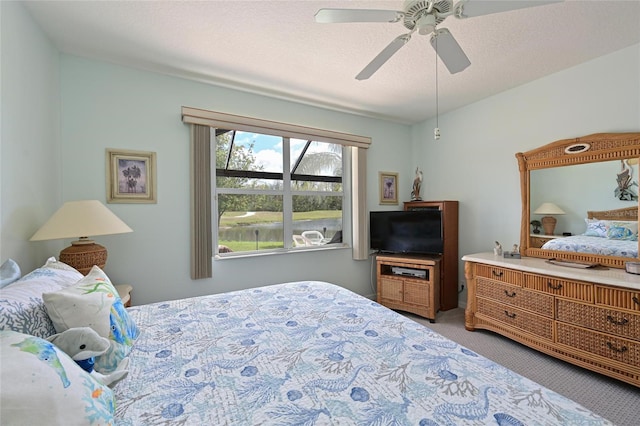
(607, 233)
(301, 353)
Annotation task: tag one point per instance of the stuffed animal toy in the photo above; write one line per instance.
(83, 344)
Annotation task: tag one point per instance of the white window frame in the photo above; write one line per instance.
(287, 204)
(201, 248)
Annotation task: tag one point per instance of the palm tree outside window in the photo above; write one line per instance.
(271, 189)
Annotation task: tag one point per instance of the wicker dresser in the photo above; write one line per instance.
(587, 317)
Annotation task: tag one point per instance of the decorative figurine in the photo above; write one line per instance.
(536, 226)
(497, 250)
(417, 184)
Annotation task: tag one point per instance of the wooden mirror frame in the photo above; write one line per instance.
(566, 152)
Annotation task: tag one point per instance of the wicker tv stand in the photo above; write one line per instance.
(587, 317)
(416, 294)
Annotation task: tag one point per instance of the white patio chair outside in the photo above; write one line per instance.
(315, 238)
(299, 241)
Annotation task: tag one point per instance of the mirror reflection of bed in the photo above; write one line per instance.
(607, 233)
(599, 176)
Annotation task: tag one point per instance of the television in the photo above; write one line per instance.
(406, 231)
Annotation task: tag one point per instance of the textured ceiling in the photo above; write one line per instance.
(276, 48)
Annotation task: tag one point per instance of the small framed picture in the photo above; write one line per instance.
(131, 176)
(388, 188)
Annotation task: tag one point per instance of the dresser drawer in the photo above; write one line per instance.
(540, 326)
(512, 295)
(620, 323)
(618, 298)
(560, 287)
(499, 274)
(619, 349)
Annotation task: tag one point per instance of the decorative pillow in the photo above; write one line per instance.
(622, 230)
(21, 306)
(596, 228)
(9, 272)
(41, 384)
(94, 302)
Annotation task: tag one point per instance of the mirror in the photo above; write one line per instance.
(579, 188)
(578, 176)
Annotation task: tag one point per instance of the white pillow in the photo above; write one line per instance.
(21, 305)
(596, 228)
(94, 302)
(80, 306)
(42, 385)
(9, 272)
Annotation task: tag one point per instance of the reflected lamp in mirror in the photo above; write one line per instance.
(82, 219)
(548, 222)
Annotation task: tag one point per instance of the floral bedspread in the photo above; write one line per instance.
(594, 245)
(312, 353)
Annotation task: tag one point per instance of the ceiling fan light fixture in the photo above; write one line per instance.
(426, 24)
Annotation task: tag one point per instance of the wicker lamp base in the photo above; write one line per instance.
(83, 254)
(549, 224)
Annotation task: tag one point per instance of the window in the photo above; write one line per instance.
(325, 172)
(276, 193)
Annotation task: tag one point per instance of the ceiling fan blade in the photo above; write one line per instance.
(471, 8)
(449, 51)
(332, 16)
(383, 56)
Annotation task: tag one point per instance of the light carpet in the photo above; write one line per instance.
(614, 400)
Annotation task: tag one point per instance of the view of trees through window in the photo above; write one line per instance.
(263, 205)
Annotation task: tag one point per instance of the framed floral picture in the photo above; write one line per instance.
(388, 188)
(131, 176)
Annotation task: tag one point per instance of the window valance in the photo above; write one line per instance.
(221, 120)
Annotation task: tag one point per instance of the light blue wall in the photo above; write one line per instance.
(110, 106)
(60, 114)
(474, 160)
(30, 173)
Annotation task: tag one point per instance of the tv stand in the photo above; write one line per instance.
(409, 283)
(449, 260)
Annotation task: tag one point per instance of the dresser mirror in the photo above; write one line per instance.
(577, 179)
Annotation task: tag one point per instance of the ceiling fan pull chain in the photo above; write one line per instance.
(436, 131)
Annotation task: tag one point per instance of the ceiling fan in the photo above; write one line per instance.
(423, 16)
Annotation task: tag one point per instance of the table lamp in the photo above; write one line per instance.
(548, 222)
(81, 219)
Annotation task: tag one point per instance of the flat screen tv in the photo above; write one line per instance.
(410, 232)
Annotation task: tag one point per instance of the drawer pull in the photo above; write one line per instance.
(635, 300)
(510, 294)
(619, 350)
(510, 315)
(612, 320)
(554, 287)
(497, 274)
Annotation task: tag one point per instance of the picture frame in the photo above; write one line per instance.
(131, 176)
(388, 187)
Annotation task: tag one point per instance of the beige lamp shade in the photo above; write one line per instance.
(82, 219)
(548, 222)
(548, 208)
